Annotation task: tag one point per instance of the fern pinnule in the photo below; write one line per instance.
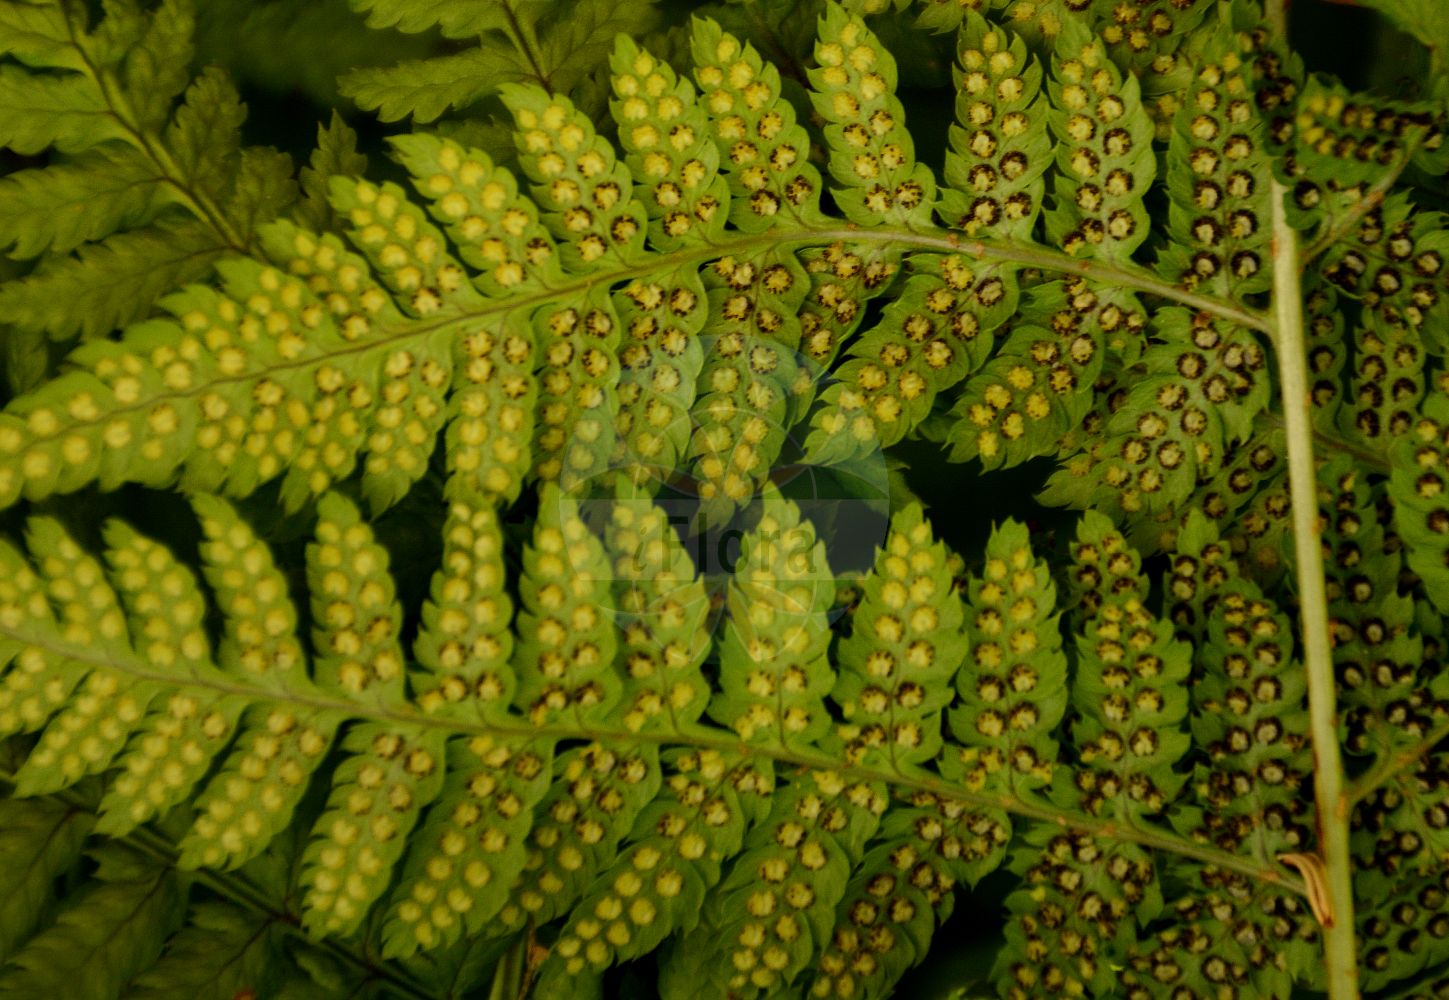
(905, 645)
(774, 674)
(1013, 694)
(662, 611)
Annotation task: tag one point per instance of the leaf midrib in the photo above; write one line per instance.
(700, 737)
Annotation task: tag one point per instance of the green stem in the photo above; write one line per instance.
(1334, 443)
(1340, 947)
(1335, 229)
(197, 202)
(697, 736)
(941, 241)
(525, 40)
(1388, 766)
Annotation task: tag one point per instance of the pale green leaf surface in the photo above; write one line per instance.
(581, 35)
(26, 358)
(262, 189)
(57, 208)
(42, 109)
(38, 34)
(204, 133)
(158, 67)
(453, 18)
(336, 155)
(110, 283)
(426, 88)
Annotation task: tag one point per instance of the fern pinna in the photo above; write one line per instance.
(439, 577)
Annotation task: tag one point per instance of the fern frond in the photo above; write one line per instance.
(148, 197)
(512, 42)
(471, 846)
(656, 886)
(662, 614)
(902, 892)
(1104, 151)
(690, 284)
(763, 922)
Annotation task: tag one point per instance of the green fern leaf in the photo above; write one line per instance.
(390, 774)
(1327, 354)
(774, 673)
(266, 772)
(205, 133)
(110, 283)
(155, 69)
(565, 658)
(1249, 708)
(1201, 391)
(902, 890)
(1217, 161)
(41, 839)
(1393, 260)
(1000, 146)
(1386, 382)
(751, 387)
(452, 18)
(1079, 903)
(763, 151)
(464, 642)
(34, 686)
(112, 931)
(497, 231)
(933, 334)
(761, 924)
(221, 953)
(1013, 692)
(1351, 138)
(336, 155)
(906, 644)
(176, 742)
(1128, 687)
(594, 801)
(1104, 152)
(871, 152)
(1417, 487)
(471, 845)
(1407, 935)
(580, 37)
(354, 610)
(656, 885)
(587, 202)
(427, 88)
(38, 35)
(41, 110)
(85, 736)
(60, 207)
(662, 613)
(665, 131)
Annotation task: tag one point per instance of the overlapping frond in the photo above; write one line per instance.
(683, 278)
